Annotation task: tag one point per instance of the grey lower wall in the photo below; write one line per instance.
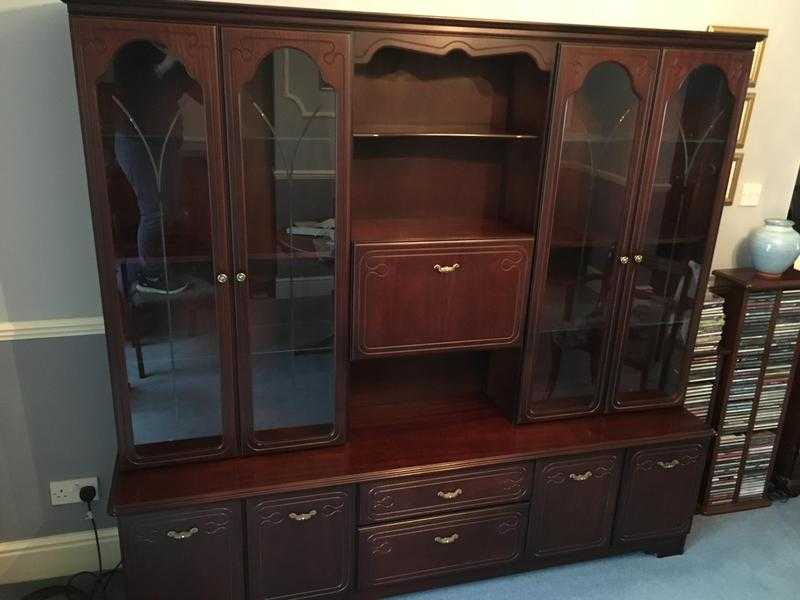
(56, 422)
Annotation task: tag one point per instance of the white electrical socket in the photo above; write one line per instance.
(67, 491)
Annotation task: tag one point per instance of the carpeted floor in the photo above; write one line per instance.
(742, 556)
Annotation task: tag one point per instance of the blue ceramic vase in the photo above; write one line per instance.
(774, 247)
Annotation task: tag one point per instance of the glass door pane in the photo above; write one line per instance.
(600, 133)
(156, 188)
(672, 253)
(287, 145)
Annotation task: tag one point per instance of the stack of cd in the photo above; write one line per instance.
(725, 472)
(779, 363)
(700, 388)
(756, 466)
(712, 318)
(748, 362)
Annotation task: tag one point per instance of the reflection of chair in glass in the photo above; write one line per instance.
(581, 329)
(658, 318)
(592, 247)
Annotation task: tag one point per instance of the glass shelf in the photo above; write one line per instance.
(444, 135)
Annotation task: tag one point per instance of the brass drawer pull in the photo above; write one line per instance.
(580, 476)
(303, 516)
(446, 269)
(668, 465)
(450, 495)
(182, 535)
(447, 539)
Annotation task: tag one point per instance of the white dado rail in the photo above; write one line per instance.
(11, 331)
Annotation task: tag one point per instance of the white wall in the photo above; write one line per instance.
(47, 268)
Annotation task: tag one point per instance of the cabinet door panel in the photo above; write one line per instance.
(403, 304)
(191, 554)
(600, 109)
(151, 108)
(289, 142)
(697, 109)
(659, 492)
(573, 504)
(300, 545)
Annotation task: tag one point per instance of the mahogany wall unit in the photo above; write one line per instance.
(373, 262)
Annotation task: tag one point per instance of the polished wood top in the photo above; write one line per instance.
(748, 278)
(476, 437)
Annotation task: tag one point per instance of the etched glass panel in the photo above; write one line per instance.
(154, 142)
(690, 161)
(288, 124)
(598, 136)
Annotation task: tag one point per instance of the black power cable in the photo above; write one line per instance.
(100, 580)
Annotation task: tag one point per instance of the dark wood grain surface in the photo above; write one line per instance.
(481, 437)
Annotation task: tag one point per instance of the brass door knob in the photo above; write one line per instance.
(241, 277)
(624, 260)
(222, 278)
(638, 259)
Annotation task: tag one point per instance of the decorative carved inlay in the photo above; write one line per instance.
(507, 526)
(511, 262)
(273, 518)
(332, 509)
(679, 461)
(382, 502)
(556, 478)
(378, 270)
(380, 546)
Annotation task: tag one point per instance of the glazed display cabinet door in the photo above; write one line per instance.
(601, 103)
(697, 108)
(301, 545)
(168, 554)
(151, 107)
(573, 504)
(289, 146)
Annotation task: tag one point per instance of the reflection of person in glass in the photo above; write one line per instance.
(149, 85)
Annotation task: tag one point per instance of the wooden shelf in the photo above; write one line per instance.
(443, 134)
(478, 436)
(432, 229)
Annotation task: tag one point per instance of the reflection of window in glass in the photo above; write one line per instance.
(153, 123)
(289, 154)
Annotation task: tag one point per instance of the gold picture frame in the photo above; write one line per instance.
(744, 122)
(733, 177)
(758, 52)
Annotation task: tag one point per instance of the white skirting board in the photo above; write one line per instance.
(56, 555)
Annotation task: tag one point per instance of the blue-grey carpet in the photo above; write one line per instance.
(751, 555)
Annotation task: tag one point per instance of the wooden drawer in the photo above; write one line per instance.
(573, 503)
(300, 545)
(427, 495)
(168, 554)
(659, 491)
(410, 550)
(402, 304)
